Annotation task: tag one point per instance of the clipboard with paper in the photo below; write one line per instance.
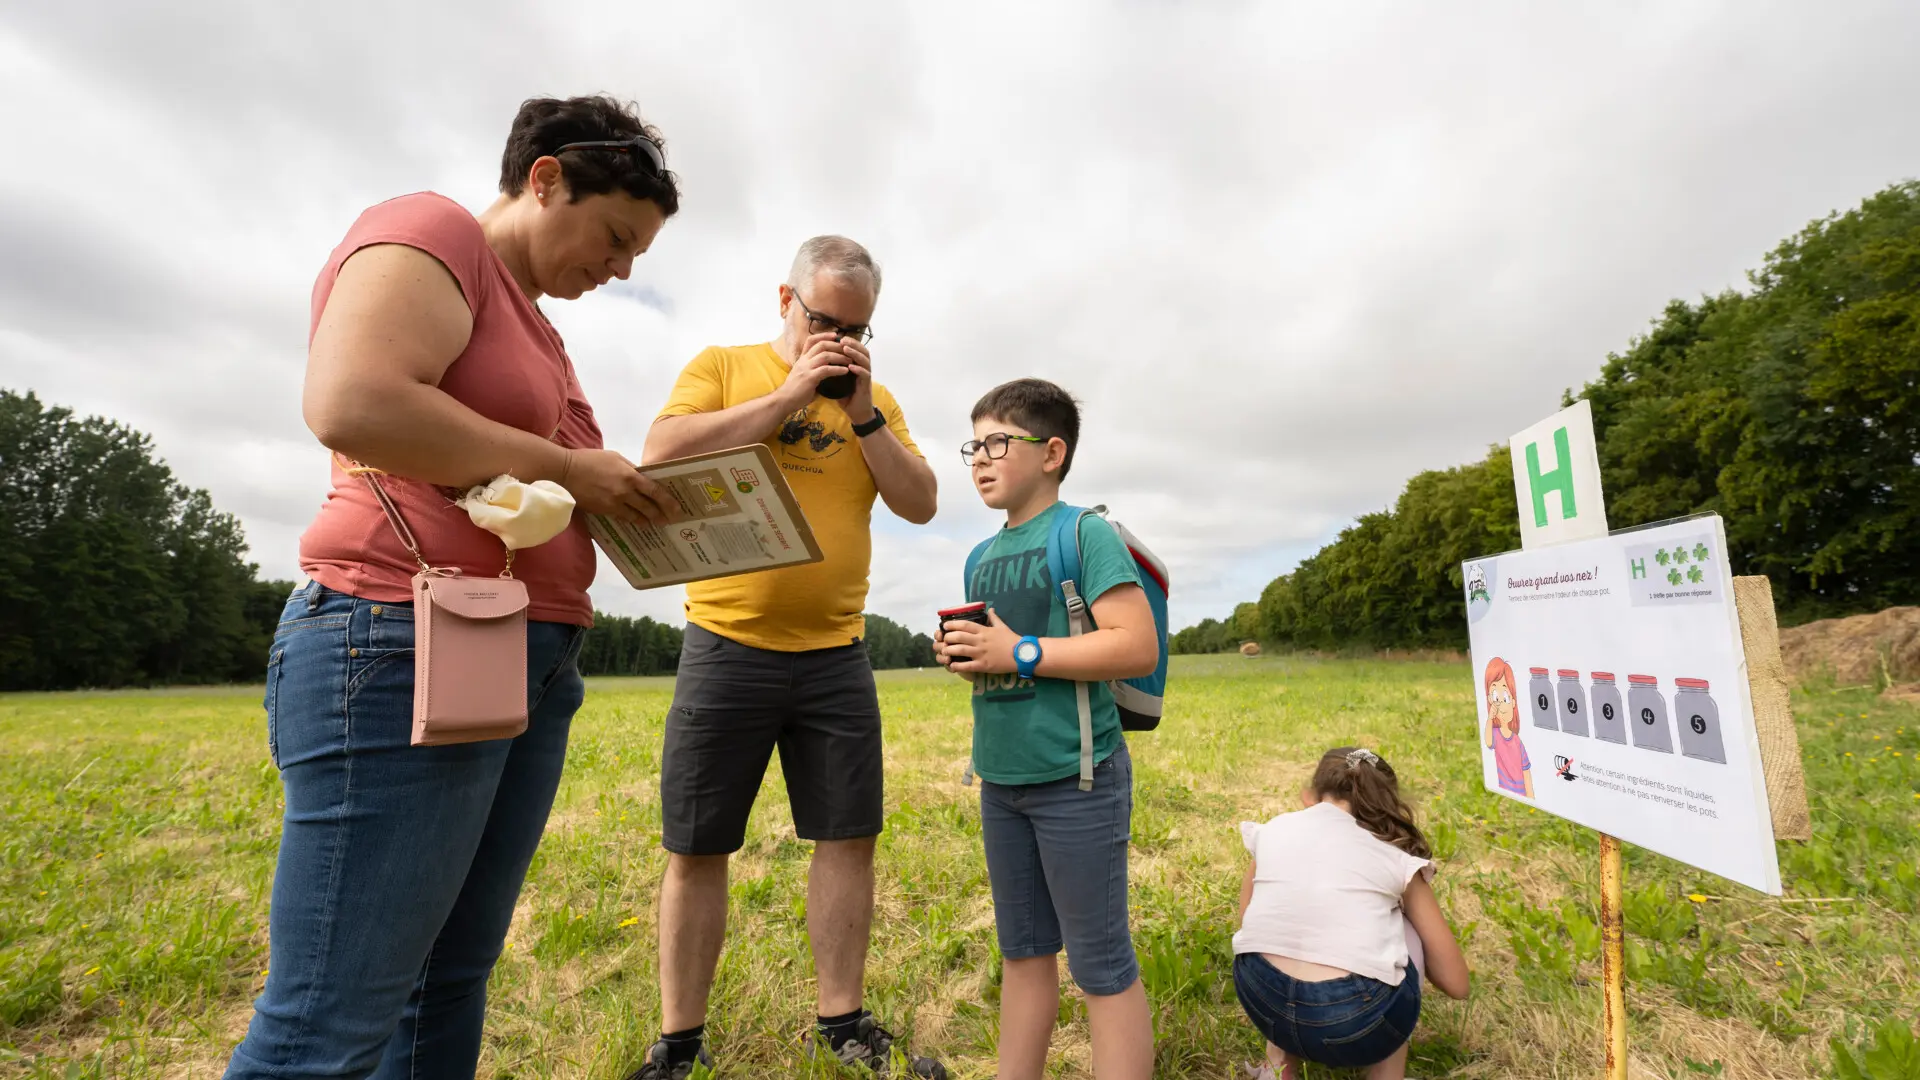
(737, 516)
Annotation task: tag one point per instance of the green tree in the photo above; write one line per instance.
(618, 645)
(890, 645)
(111, 572)
(1792, 410)
(1206, 636)
(1217, 636)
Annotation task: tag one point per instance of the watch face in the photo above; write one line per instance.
(1026, 652)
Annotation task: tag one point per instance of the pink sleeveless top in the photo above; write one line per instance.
(514, 371)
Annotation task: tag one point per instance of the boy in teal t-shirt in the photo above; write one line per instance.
(1056, 855)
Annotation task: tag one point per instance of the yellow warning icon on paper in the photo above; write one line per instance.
(711, 495)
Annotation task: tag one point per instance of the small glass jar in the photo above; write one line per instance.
(1572, 703)
(1699, 719)
(1540, 700)
(1647, 714)
(1608, 712)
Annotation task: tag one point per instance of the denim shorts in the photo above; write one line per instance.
(1346, 1023)
(1057, 862)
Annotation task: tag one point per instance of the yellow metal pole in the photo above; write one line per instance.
(1613, 958)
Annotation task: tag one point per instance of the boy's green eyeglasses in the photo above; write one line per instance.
(996, 445)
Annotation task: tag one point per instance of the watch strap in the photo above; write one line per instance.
(1022, 666)
(874, 423)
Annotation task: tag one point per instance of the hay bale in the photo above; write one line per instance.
(1250, 649)
(1861, 650)
(1899, 694)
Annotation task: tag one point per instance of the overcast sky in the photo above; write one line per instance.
(1287, 254)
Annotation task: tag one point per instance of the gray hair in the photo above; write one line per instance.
(836, 255)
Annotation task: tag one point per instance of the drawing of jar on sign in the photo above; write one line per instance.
(1648, 708)
(1609, 715)
(1540, 690)
(1699, 721)
(1572, 701)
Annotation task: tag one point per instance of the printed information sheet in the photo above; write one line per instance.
(1613, 692)
(738, 516)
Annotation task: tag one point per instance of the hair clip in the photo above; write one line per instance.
(1356, 756)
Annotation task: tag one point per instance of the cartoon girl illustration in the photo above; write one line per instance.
(1503, 731)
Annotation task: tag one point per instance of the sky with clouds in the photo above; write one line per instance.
(1287, 254)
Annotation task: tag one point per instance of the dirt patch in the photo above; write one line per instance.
(1862, 650)
(1909, 694)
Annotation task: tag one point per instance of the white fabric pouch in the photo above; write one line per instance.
(521, 515)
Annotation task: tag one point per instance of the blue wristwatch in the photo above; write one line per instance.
(1026, 656)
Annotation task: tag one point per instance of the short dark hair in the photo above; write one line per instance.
(544, 125)
(1041, 407)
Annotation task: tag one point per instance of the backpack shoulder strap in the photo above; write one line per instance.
(1063, 561)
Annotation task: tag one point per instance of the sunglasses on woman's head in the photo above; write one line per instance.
(639, 146)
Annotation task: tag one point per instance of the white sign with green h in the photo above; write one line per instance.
(1556, 477)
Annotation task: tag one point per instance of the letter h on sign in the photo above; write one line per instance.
(1560, 480)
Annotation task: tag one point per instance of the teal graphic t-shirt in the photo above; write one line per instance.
(1027, 731)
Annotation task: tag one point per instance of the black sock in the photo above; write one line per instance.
(838, 1029)
(683, 1046)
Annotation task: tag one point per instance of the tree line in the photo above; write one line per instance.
(1218, 635)
(113, 573)
(618, 645)
(1792, 409)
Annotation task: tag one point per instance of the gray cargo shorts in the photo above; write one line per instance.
(733, 705)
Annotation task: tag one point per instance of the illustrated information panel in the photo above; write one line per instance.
(1613, 693)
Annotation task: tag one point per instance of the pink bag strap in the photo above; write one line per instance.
(371, 475)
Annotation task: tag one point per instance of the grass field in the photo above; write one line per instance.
(140, 832)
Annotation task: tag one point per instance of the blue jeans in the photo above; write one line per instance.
(1057, 863)
(1346, 1023)
(399, 865)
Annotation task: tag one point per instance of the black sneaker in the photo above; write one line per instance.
(656, 1067)
(872, 1047)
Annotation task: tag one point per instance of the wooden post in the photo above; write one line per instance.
(1613, 958)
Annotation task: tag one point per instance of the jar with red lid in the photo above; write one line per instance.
(1699, 720)
(1647, 712)
(1572, 703)
(1540, 693)
(1608, 712)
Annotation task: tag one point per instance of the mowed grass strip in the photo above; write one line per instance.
(140, 832)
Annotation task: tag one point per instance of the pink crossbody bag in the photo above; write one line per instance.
(469, 646)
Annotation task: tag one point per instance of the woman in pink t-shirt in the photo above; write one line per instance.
(430, 360)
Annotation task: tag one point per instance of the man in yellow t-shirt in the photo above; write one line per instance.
(775, 659)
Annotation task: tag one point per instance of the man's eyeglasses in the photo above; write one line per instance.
(820, 324)
(641, 147)
(995, 445)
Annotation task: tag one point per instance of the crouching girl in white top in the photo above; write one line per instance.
(1335, 897)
